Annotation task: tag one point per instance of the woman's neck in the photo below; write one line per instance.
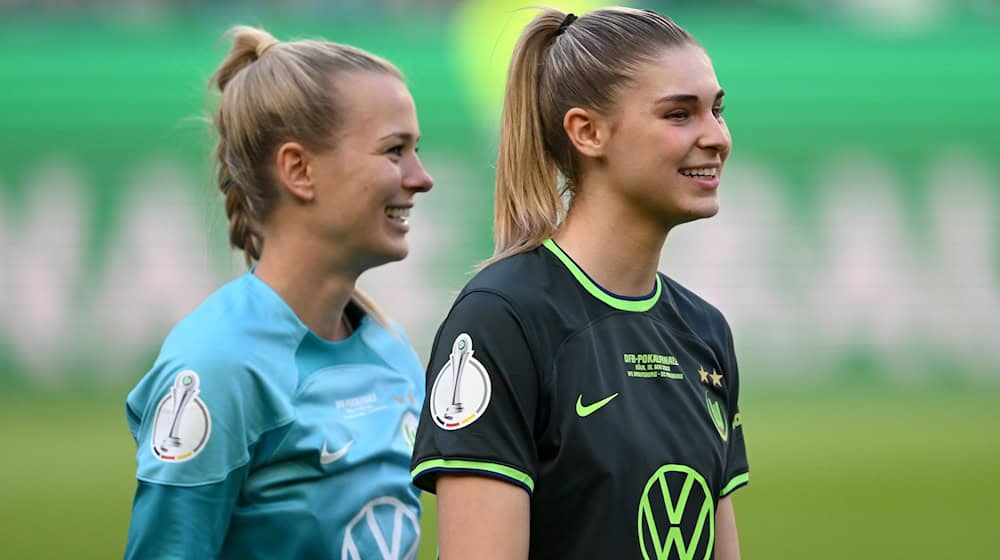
(620, 252)
(316, 291)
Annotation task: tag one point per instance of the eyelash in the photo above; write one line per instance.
(398, 150)
(683, 114)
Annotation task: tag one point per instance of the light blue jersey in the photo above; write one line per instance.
(258, 439)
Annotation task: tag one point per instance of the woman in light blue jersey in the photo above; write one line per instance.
(278, 419)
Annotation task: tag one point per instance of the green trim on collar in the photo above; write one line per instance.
(634, 305)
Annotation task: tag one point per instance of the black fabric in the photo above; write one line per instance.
(602, 480)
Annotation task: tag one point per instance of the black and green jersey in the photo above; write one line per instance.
(618, 415)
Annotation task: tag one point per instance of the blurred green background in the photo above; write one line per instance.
(857, 255)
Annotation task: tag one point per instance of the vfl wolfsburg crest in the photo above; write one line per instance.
(718, 417)
(182, 423)
(676, 513)
(462, 388)
(385, 525)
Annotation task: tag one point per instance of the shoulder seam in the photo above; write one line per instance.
(520, 323)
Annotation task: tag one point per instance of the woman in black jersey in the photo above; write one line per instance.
(580, 404)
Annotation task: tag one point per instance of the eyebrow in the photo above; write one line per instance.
(403, 136)
(687, 97)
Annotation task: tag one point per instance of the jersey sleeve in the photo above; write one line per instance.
(181, 522)
(481, 397)
(737, 472)
(196, 421)
(196, 418)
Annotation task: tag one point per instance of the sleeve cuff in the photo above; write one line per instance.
(426, 472)
(734, 483)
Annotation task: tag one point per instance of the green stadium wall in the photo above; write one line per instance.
(859, 233)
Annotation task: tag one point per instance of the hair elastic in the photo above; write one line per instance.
(566, 22)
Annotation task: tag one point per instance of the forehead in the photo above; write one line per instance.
(375, 104)
(678, 70)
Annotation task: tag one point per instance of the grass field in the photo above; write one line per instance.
(837, 473)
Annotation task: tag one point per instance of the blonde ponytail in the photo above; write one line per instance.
(245, 230)
(527, 204)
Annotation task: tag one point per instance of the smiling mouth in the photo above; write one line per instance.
(706, 172)
(397, 214)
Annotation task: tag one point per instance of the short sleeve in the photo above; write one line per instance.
(194, 422)
(481, 397)
(737, 472)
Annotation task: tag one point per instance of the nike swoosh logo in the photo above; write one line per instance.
(589, 409)
(327, 458)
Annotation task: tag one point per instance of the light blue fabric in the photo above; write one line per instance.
(308, 441)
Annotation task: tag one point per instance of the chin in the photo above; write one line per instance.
(383, 255)
(710, 212)
(396, 252)
(695, 214)
(705, 208)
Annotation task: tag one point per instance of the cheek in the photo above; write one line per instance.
(386, 175)
(373, 183)
(670, 143)
(645, 147)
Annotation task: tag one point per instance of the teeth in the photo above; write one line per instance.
(700, 172)
(398, 213)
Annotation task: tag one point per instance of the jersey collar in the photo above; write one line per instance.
(623, 303)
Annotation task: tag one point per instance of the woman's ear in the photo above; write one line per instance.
(587, 131)
(292, 163)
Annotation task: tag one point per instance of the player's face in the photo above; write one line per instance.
(367, 183)
(668, 140)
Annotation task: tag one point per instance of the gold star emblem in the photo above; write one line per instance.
(703, 374)
(716, 378)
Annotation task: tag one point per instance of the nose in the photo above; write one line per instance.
(715, 136)
(416, 177)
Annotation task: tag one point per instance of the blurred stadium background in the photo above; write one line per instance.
(857, 255)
